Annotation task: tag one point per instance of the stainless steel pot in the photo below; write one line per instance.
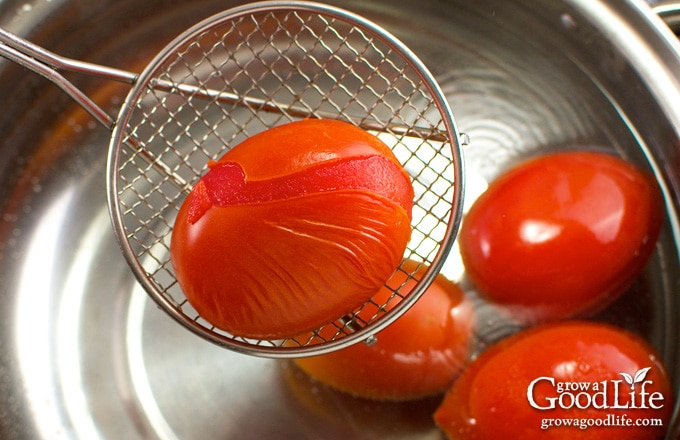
(84, 354)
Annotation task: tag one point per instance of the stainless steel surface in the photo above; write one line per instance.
(669, 12)
(86, 355)
(209, 74)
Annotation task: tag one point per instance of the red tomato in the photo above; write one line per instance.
(539, 383)
(291, 229)
(418, 355)
(561, 235)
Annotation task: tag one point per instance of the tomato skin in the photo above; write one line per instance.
(418, 355)
(291, 229)
(248, 278)
(561, 235)
(290, 148)
(491, 398)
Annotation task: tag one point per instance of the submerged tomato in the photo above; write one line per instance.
(561, 235)
(572, 380)
(418, 355)
(292, 228)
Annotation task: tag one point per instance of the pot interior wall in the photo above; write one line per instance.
(86, 355)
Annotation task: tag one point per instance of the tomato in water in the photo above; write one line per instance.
(540, 382)
(561, 235)
(419, 355)
(292, 228)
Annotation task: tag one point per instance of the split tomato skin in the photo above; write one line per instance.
(289, 148)
(291, 229)
(562, 235)
(417, 356)
(518, 388)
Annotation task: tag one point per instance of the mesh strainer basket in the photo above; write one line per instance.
(241, 72)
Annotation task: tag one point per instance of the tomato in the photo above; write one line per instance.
(538, 383)
(418, 355)
(291, 229)
(561, 235)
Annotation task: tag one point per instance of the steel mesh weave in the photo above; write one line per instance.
(240, 75)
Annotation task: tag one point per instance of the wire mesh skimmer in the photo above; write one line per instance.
(236, 74)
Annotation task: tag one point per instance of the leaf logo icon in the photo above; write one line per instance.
(639, 377)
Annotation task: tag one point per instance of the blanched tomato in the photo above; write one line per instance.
(418, 355)
(292, 228)
(561, 235)
(572, 380)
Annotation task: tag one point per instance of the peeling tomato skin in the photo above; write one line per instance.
(225, 184)
(290, 148)
(198, 202)
(561, 235)
(274, 256)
